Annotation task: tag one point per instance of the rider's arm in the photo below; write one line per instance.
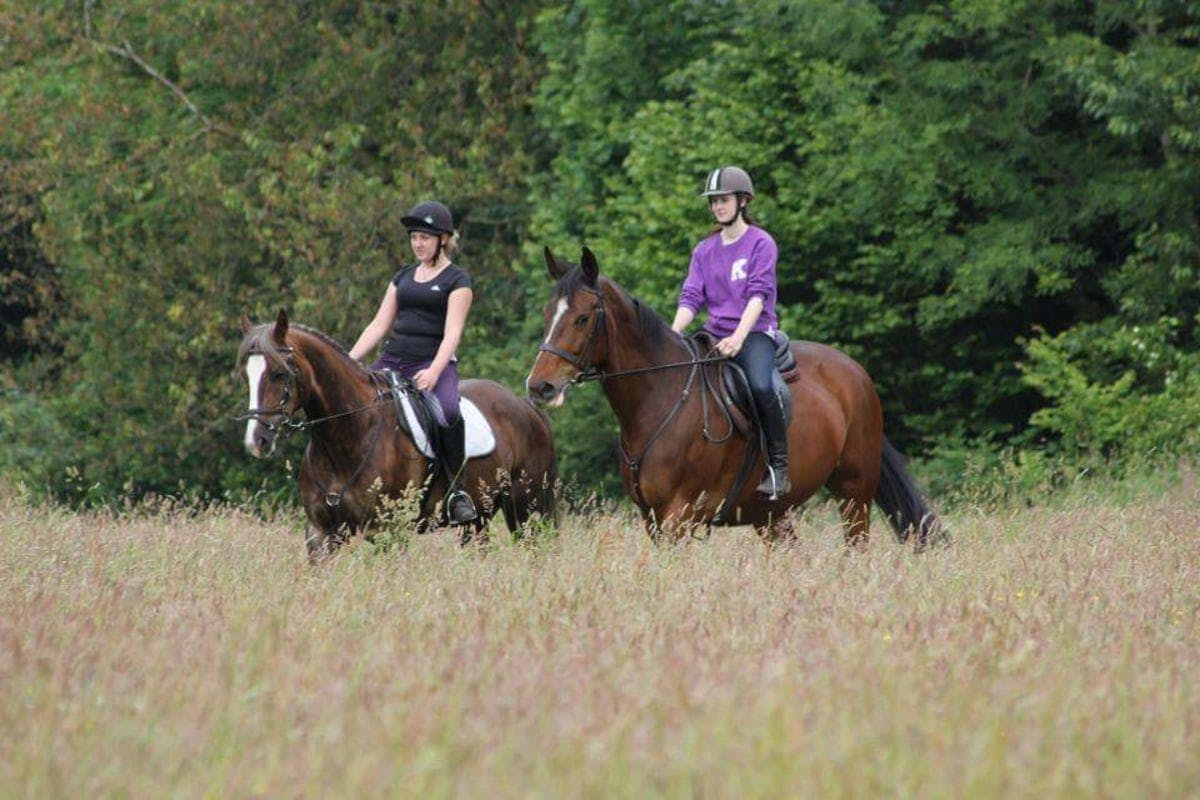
(750, 315)
(683, 318)
(691, 294)
(378, 327)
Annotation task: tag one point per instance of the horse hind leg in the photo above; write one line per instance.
(513, 519)
(854, 502)
(518, 503)
(780, 531)
(473, 531)
(856, 521)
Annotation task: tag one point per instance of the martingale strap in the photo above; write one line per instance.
(333, 498)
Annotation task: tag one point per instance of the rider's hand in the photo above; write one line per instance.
(426, 379)
(730, 346)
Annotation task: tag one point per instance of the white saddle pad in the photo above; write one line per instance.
(480, 439)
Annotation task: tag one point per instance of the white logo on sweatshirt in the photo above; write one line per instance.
(435, 288)
(738, 271)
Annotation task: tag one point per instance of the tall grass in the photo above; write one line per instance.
(1051, 651)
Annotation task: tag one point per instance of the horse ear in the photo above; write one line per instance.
(246, 326)
(591, 270)
(281, 327)
(555, 267)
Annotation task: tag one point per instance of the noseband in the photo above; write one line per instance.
(286, 423)
(587, 370)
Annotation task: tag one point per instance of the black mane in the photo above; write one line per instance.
(652, 326)
(324, 337)
(259, 341)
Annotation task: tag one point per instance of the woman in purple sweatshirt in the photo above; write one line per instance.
(732, 275)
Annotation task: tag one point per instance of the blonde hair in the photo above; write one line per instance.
(452, 245)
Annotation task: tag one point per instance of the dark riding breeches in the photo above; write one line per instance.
(757, 360)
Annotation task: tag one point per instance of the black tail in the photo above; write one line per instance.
(901, 501)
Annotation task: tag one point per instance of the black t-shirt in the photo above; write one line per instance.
(421, 312)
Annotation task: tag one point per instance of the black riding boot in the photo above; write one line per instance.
(776, 484)
(459, 508)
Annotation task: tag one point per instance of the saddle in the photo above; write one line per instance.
(737, 387)
(736, 393)
(419, 414)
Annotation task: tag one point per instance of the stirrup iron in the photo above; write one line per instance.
(775, 485)
(459, 508)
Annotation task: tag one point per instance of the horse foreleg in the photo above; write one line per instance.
(320, 544)
(473, 531)
(672, 525)
(856, 522)
(780, 530)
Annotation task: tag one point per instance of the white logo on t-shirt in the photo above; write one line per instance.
(435, 288)
(738, 271)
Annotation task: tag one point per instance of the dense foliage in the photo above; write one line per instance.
(992, 204)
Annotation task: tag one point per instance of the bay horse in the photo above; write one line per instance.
(667, 398)
(361, 452)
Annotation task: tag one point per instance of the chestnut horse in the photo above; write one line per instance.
(362, 452)
(667, 398)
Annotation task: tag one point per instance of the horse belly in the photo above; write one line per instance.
(694, 488)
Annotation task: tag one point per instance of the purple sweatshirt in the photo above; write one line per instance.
(723, 277)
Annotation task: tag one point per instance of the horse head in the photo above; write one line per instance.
(275, 378)
(575, 339)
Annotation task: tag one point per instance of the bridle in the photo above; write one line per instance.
(278, 420)
(588, 371)
(281, 420)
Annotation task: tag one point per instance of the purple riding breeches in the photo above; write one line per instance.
(446, 389)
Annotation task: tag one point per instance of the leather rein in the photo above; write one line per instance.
(282, 421)
(588, 371)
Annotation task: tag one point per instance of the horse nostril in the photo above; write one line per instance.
(543, 390)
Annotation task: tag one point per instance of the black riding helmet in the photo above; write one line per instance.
(430, 216)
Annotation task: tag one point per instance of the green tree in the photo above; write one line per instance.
(944, 180)
(183, 163)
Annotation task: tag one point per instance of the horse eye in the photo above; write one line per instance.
(278, 375)
(582, 318)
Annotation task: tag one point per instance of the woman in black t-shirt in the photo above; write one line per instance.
(422, 317)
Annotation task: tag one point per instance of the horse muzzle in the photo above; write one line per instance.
(548, 393)
(260, 440)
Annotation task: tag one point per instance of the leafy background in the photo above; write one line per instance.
(992, 205)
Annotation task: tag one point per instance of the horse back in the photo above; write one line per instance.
(515, 420)
(827, 371)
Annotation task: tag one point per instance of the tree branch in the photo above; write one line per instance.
(127, 52)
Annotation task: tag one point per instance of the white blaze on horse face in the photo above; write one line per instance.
(256, 366)
(559, 311)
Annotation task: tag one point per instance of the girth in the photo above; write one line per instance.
(735, 392)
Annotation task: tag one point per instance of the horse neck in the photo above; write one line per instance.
(337, 386)
(641, 398)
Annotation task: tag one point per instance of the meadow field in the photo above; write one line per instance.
(1050, 651)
